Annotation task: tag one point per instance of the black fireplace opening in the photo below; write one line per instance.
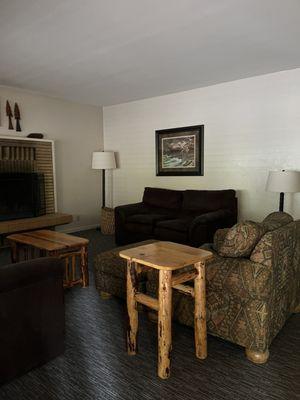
(22, 195)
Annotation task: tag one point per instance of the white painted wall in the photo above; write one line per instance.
(251, 126)
(77, 132)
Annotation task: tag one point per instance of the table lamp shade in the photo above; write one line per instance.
(103, 160)
(283, 181)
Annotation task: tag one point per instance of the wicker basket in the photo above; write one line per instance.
(107, 221)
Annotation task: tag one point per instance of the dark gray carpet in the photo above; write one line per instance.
(95, 364)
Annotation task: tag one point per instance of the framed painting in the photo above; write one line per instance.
(179, 151)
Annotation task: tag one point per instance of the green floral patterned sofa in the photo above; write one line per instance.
(252, 292)
(253, 282)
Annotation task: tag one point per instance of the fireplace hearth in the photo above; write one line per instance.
(22, 195)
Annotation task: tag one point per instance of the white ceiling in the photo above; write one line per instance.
(111, 51)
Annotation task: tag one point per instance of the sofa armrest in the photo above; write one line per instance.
(15, 276)
(212, 216)
(130, 209)
(204, 226)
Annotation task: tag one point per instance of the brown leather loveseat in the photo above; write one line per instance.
(188, 217)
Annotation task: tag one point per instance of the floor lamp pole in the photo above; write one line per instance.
(281, 201)
(103, 188)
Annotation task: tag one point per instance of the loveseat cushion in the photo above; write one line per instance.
(202, 201)
(163, 198)
(179, 224)
(276, 220)
(146, 219)
(241, 239)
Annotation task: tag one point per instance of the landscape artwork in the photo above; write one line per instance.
(179, 151)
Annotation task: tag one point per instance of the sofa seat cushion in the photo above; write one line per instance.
(241, 239)
(276, 220)
(146, 219)
(179, 224)
(171, 236)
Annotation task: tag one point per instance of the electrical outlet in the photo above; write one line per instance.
(77, 218)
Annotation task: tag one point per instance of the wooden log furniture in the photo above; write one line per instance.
(166, 257)
(54, 244)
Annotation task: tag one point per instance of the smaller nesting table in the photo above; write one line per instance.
(54, 244)
(166, 257)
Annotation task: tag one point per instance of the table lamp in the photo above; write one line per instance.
(283, 182)
(103, 160)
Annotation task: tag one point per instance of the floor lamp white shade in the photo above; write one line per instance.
(283, 182)
(103, 160)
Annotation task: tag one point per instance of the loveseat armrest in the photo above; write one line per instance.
(130, 209)
(121, 215)
(16, 276)
(204, 226)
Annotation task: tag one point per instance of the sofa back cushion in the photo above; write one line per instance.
(241, 239)
(208, 200)
(163, 198)
(276, 220)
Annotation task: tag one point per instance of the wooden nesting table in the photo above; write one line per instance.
(54, 244)
(167, 257)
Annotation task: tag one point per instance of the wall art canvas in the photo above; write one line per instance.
(179, 151)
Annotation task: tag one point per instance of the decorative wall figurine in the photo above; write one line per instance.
(35, 135)
(9, 114)
(17, 117)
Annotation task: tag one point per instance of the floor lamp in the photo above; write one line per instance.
(103, 160)
(283, 182)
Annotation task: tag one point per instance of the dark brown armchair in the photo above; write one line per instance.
(32, 316)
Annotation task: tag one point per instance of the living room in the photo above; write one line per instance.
(123, 78)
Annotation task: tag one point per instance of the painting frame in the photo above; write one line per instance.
(180, 151)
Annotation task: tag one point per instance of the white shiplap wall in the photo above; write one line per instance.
(251, 126)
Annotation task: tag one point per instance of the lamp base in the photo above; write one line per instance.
(107, 221)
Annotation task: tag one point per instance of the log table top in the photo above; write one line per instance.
(48, 240)
(166, 256)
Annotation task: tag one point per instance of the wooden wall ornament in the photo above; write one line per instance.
(9, 114)
(17, 117)
(35, 135)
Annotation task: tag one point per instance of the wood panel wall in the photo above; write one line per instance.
(24, 155)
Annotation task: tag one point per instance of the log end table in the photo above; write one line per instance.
(167, 257)
(54, 244)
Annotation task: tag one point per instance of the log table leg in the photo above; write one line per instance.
(164, 323)
(84, 266)
(67, 282)
(132, 309)
(14, 252)
(200, 312)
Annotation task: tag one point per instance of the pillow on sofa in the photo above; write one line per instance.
(219, 237)
(262, 252)
(241, 239)
(276, 220)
